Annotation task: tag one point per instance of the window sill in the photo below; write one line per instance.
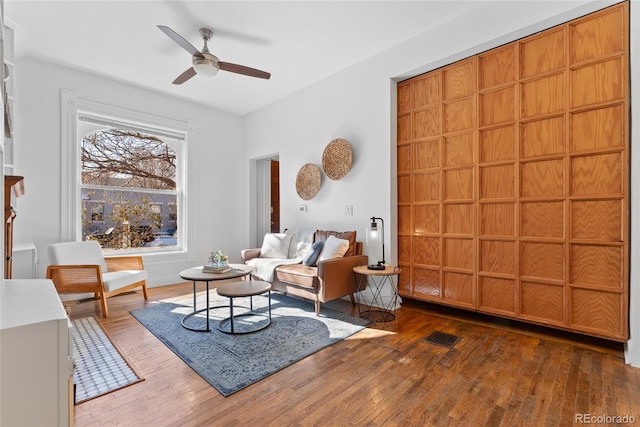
(153, 258)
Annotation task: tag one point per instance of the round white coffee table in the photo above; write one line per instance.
(244, 289)
(196, 274)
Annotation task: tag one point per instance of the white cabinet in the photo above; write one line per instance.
(24, 263)
(36, 356)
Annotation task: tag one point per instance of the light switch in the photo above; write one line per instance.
(348, 210)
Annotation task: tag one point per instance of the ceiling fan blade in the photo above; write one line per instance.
(181, 41)
(184, 76)
(241, 69)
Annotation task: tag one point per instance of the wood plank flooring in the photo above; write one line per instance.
(498, 374)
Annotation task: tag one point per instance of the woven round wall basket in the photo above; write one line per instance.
(308, 181)
(336, 159)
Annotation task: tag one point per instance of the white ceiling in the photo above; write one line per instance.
(298, 42)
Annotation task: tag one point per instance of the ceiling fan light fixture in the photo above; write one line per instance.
(203, 62)
(206, 67)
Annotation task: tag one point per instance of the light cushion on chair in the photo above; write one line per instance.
(322, 235)
(333, 248)
(77, 253)
(301, 241)
(275, 245)
(119, 279)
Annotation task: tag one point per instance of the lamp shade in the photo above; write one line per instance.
(373, 236)
(205, 67)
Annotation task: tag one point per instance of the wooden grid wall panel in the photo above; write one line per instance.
(513, 179)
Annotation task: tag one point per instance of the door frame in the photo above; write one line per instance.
(260, 203)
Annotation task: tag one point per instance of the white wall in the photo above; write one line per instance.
(358, 104)
(214, 165)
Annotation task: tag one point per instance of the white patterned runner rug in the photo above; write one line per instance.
(100, 368)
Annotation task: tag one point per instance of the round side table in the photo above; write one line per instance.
(376, 310)
(244, 289)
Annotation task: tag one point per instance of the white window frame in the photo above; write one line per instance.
(70, 215)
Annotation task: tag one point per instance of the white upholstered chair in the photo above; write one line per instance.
(80, 267)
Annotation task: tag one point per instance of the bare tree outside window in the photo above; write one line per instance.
(118, 158)
(132, 176)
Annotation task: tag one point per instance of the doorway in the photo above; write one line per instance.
(275, 196)
(264, 212)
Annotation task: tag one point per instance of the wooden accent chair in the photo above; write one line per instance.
(78, 267)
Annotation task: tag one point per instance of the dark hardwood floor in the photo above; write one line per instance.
(496, 375)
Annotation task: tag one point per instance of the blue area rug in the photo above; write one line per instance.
(232, 362)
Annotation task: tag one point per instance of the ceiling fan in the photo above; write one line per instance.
(205, 63)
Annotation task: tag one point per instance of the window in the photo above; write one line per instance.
(129, 187)
(80, 117)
